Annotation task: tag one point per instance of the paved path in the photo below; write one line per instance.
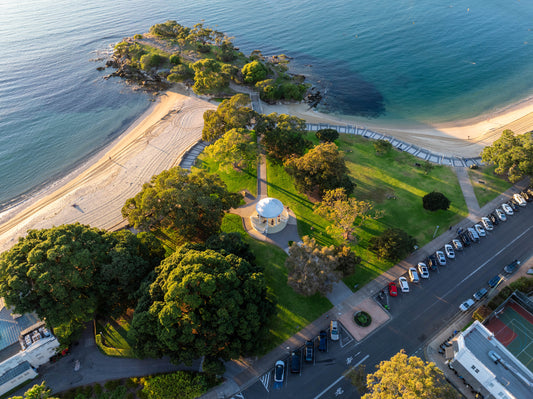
(468, 192)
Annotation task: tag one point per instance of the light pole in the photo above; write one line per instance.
(435, 233)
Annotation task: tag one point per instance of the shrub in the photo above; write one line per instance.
(138, 36)
(382, 146)
(327, 135)
(132, 383)
(97, 389)
(435, 201)
(112, 385)
(254, 72)
(181, 384)
(393, 244)
(175, 59)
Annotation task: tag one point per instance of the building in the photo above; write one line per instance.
(25, 344)
(270, 216)
(488, 367)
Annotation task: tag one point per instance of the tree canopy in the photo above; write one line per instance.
(393, 244)
(254, 71)
(234, 113)
(311, 268)
(282, 135)
(321, 169)
(327, 135)
(69, 273)
(192, 204)
(408, 377)
(201, 303)
(512, 155)
(37, 392)
(237, 148)
(434, 201)
(345, 212)
(209, 76)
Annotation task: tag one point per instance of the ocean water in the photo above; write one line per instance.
(398, 60)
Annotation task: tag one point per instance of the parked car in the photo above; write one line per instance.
(466, 305)
(441, 258)
(457, 244)
(334, 330)
(423, 270)
(393, 290)
(480, 294)
(465, 239)
(493, 282)
(472, 234)
(501, 215)
(279, 371)
(525, 195)
(487, 223)
(404, 286)
(507, 209)
(520, 200)
(295, 362)
(480, 230)
(413, 275)
(514, 205)
(494, 218)
(323, 341)
(511, 267)
(309, 351)
(449, 251)
(432, 262)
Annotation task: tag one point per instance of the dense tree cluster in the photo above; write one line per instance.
(209, 76)
(434, 201)
(67, 274)
(319, 170)
(191, 203)
(254, 71)
(393, 244)
(237, 148)
(282, 135)
(327, 135)
(512, 155)
(233, 113)
(201, 303)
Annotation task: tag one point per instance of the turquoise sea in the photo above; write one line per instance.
(406, 60)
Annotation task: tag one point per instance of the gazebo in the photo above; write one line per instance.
(270, 216)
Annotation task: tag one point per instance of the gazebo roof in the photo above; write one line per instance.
(269, 207)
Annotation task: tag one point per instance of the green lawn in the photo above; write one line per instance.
(487, 185)
(293, 311)
(235, 180)
(114, 335)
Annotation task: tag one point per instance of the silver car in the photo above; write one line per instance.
(457, 244)
(441, 258)
(501, 215)
(449, 251)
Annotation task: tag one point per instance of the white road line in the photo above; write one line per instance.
(265, 379)
(340, 378)
(474, 272)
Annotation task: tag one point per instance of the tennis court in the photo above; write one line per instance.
(513, 327)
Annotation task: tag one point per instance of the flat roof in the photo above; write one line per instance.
(473, 354)
(11, 326)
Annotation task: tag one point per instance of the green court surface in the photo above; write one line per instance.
(522, 345)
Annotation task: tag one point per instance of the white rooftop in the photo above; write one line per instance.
(269, 207)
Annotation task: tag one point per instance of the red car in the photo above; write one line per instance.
(393, 291)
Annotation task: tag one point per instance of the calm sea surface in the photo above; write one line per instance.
(405, 60)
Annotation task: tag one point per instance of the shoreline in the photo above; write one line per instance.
(94, 192)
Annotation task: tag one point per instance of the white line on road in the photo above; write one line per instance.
(340, 378)
(265, 379)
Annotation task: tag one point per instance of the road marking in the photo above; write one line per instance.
(474, 272)
(265, 379)
(340, 378)
(339, 391)
(238, 396)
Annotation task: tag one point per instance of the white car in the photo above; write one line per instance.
(457, 244)
(404, 285)
(507, 209)
(466, 305)
(279, 371)
(501, 215)
(423, 270)
(518, 198)
(487, 223)
(441, 258)
(334, 330)
(449, 251)
(413, 275)
(480, 230)
(473, 234)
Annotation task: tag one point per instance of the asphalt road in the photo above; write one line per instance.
(416, 316)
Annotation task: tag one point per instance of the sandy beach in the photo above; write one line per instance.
(95, 194)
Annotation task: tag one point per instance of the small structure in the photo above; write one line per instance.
(270, 216)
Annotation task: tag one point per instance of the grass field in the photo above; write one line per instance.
(487, 185)
(293, 311)
(114, 334)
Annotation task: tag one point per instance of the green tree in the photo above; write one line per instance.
(202, 303)
(208, 77)
(237, 148)
(382, 146)
(408, 377)
(319, 170)
(234, 113)
(282, 135)
(512, 155)
(230, 243)
(254, 72)
(393, 244)
(311, 268)
(37, 392)
(192, 204)
(347, 260)
(345, 212)
(269, 91)
(434, 201)
(69, 273)
(179, 73)
(327, 135)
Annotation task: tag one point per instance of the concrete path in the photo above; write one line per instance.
(468, 192)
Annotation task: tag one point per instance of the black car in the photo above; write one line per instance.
(493, 282)
(514, 205)
(493, 218)
(465, 239)
(511, 267)
(323, 341)
(295, 362)
(309, 351)
(432, 262)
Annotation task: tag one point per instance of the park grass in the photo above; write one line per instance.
(293, 311)
(492, 186)
(114, 336)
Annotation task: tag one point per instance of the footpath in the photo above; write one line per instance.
(244, 372)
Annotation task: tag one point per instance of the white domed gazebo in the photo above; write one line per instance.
(270, 216)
